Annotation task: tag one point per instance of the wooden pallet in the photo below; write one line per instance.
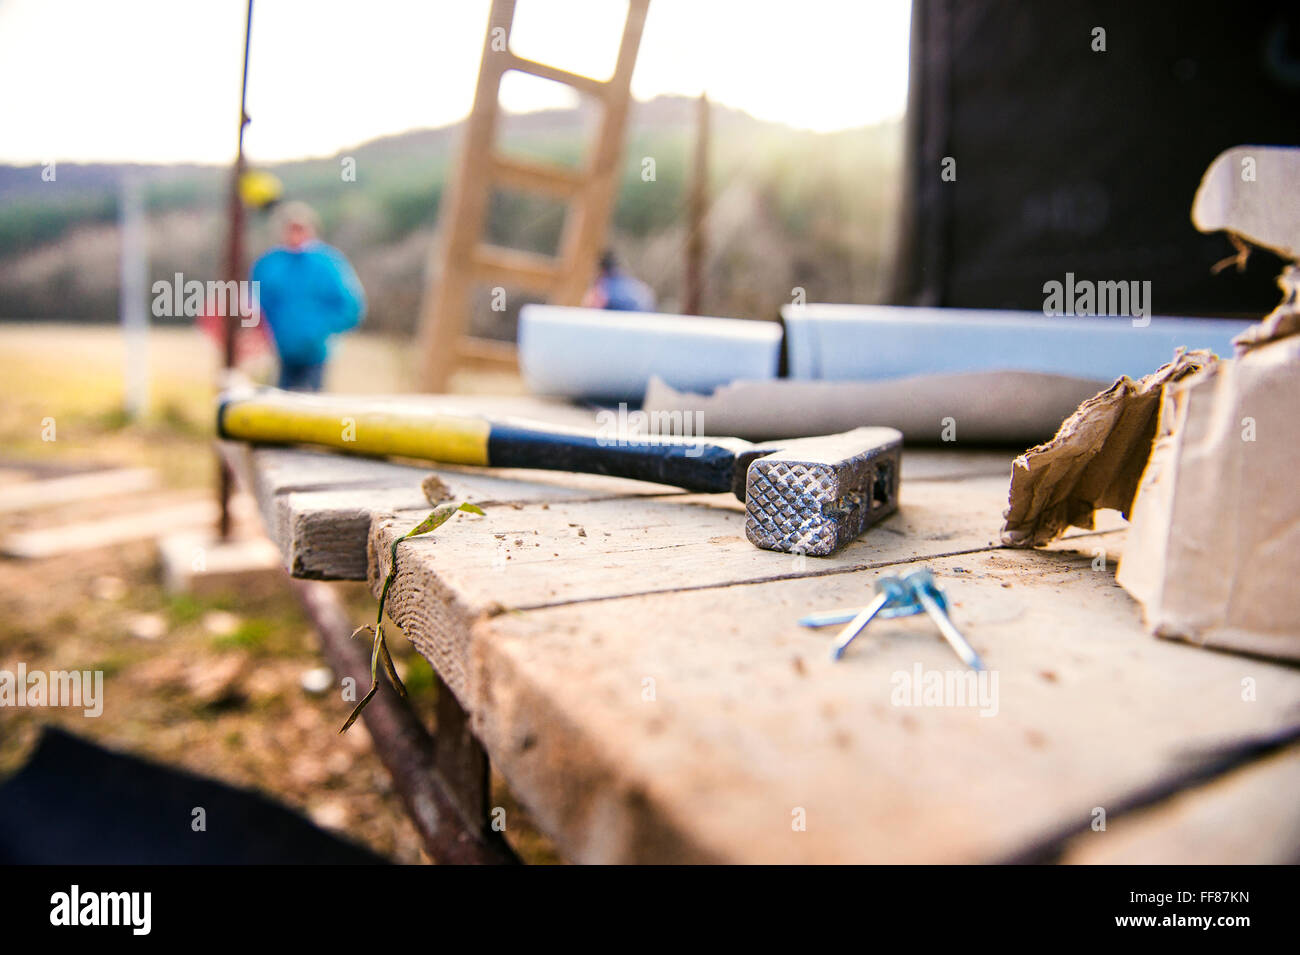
(634, 668)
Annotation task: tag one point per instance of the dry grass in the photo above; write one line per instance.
(218, 691)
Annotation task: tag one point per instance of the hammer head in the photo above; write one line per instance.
(814, 495)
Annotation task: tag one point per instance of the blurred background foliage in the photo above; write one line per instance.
(787, 208)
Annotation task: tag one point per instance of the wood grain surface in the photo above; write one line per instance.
(635, 670)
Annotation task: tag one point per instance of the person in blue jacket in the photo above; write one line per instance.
(617, 291)
(307, 293)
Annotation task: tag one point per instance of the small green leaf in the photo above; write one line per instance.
(374, 654)
(386, 659)
(359, 707)
(437, 517)
(379, 649)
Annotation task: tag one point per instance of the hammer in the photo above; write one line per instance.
(803, 496)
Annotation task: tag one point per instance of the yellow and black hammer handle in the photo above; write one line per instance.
(381, 427)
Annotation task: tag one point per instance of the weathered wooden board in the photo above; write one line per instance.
(47, 492)
(704, 724)
(149, 517)
(533, 556)
(1249, 816)
(318, 506)
(634, 668)
(538, 556)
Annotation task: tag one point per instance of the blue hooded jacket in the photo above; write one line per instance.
(307, 296)
(623, 293)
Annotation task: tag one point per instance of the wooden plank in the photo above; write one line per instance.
(27, 495)
(545, 178)
(318, 507)
(748, 722)
(171, 513)
(1251, 815)
(230, 566)
(669, 544)
(24, 469)
(493, 263)
(487, 353)
(698, 726)
(579, 82)
(532, 557)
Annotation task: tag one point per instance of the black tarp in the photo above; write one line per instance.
(1072, 160)
(75, 803)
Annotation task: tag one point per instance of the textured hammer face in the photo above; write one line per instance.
(815, 495)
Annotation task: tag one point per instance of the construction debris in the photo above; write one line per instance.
(1095, 460)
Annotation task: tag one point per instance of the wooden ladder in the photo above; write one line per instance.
(463, 260)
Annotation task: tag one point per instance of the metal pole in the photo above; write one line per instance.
(235, 262)
(133, 272)
(695, 246)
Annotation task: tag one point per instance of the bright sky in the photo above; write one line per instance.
(158, 80)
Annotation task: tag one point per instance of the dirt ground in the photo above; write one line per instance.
(213, 685)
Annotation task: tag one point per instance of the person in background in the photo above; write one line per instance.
(617, 291)
(307, 293)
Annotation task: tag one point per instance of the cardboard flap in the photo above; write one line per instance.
(1095, 460)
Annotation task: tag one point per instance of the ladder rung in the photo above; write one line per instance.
(537, 273)
(487, 353)
(579, 82)
(537, 177)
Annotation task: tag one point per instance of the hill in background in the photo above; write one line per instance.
(788, 208)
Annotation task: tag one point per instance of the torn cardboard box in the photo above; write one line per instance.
(1203, 457)
(1213, 553)
(1213, 550)
(1095, 460)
